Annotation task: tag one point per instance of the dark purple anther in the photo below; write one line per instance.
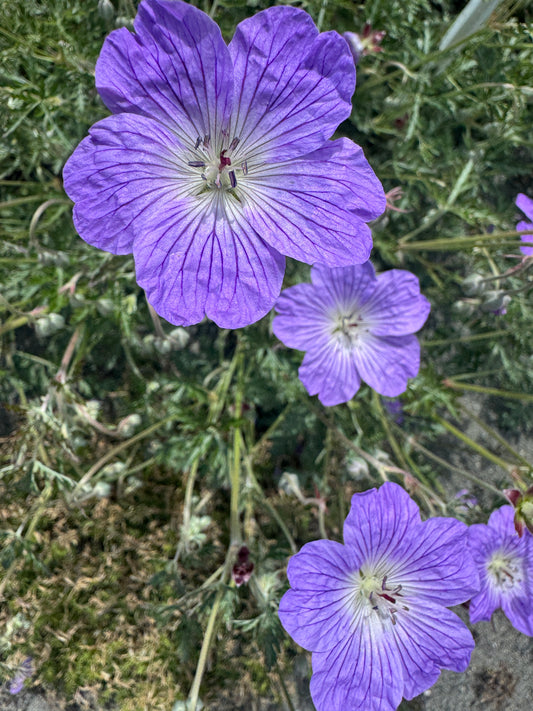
(232, 178)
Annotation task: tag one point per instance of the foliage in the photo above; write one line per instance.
(122, 437)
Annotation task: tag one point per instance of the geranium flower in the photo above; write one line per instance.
(374, 610)
(217, 162)
(354, 326)
(505, 564)
(526, 205)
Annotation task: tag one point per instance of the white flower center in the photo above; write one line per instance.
(505, 571)
(349, 329)
(218, 169)
(377, 599)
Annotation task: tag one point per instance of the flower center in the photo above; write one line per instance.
(350, 329)
(379, 598)
(505, 571)
(216, 168)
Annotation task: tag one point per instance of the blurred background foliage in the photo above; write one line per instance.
(123, 437)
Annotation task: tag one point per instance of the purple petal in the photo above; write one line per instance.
(485, 602)
(525, 203)
(427, 639)
(359, 674)
(396, 305)
(438, 567)
(379, 523)
(200, 258)
(293, 85)
(176, 68)
(386, 363)
(314, 208)
(301, 321)
(502, 521)
(527, 239)
(317, 612)
(519, 610)
(121, 176)
(330, 373)
(344, 286)
(483, 541)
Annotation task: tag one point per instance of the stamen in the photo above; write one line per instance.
(196, 163)
(198, 141)
(233, 145)
(207, 140)
(244, 168)
(232, 178)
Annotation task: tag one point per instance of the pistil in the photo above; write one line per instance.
(382, 599)
(218, 171)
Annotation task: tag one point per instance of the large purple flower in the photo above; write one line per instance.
(505, 563)
(374, 610)
(354, 326)
(526, 205)
(217, 161)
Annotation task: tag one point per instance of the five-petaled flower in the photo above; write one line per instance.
(217, 161)
(526, 205)
(505, 564)
(354, 326)
(374, 610)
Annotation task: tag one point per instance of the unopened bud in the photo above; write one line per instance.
(473, 284)
(106, 10)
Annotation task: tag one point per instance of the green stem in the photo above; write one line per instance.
(20, 201)
(392, 440)
(192, 701)
(273, 427)
(451, 467)
(507, 466)
(492, 433)
(187, 504)
(284, 688)
(464, 339)
(479, 240)
(321, 14)
(235, 481)
(119, 448)
(451, 383)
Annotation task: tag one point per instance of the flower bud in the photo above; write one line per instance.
(473, 284)
(106, 10)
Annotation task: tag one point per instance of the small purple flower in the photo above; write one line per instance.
(526, 205)
(505, 564)
(395, 409)
(374, 610)
(24, 672)
(354, 326)
(217, 161)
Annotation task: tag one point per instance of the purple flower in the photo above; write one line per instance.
(24, 671)
(395, 409)
(373, 611)
(354, 326)
(526, 205)
(216, 163)
(505, 564)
